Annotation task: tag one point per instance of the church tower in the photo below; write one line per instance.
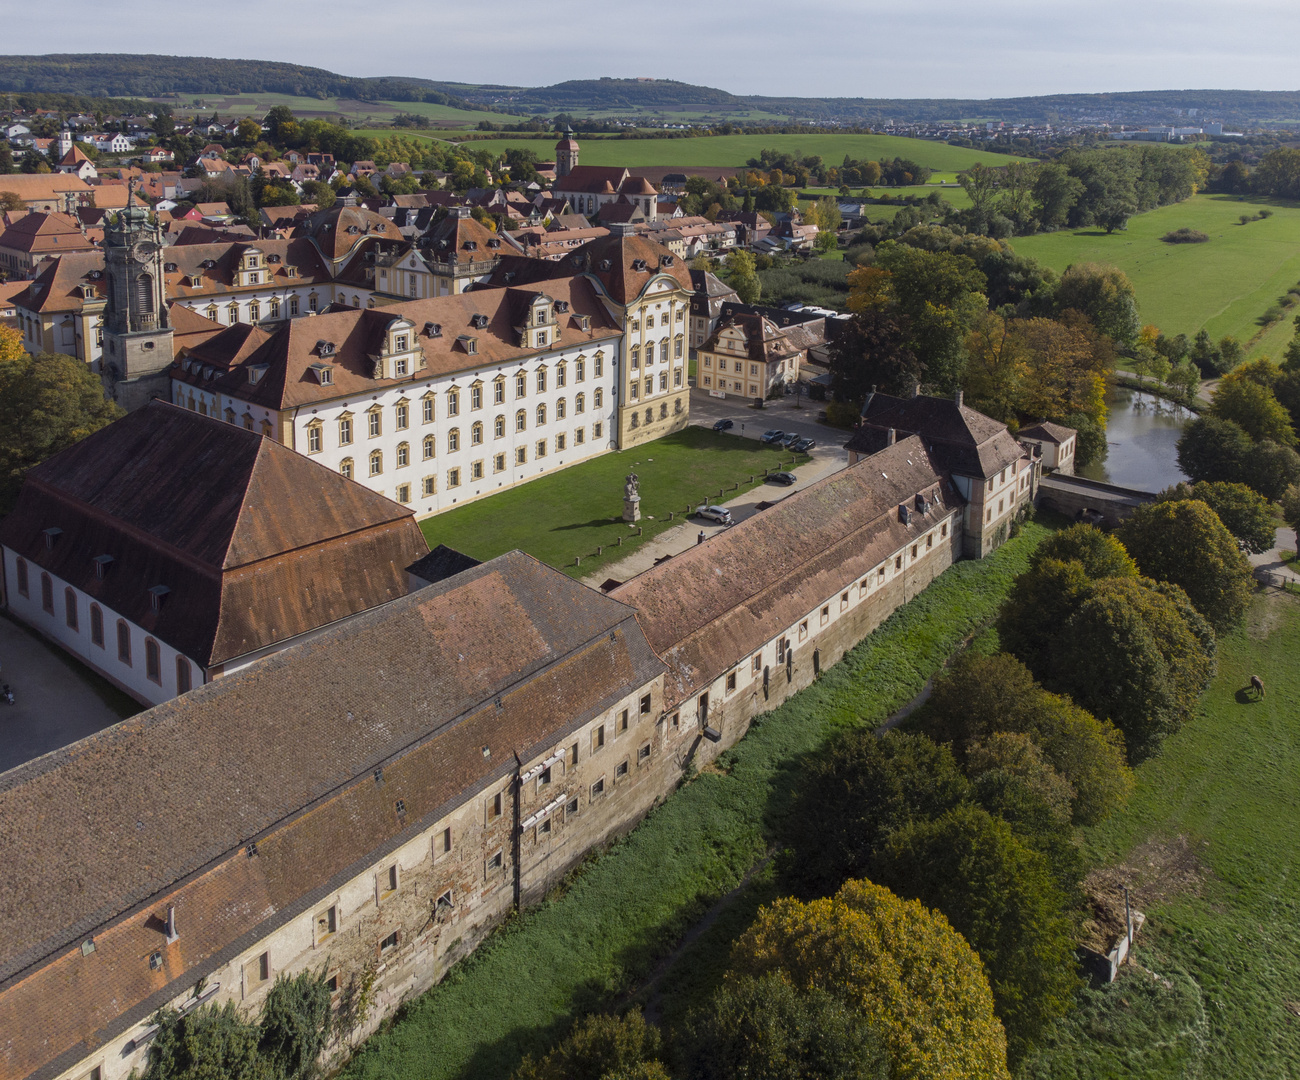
(566, 154)
(138, 350)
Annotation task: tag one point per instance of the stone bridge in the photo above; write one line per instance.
(1090, 500)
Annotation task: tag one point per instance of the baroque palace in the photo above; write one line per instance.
(385, 768)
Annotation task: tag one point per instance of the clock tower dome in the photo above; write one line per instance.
(138, 351)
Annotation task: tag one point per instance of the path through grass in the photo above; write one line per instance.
(520, 990)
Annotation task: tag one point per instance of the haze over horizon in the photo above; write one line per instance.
(1003, 48)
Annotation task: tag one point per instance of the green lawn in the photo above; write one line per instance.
(1223, 285)
(598, 938)
(572, 512)
(1222, 929)
(735, 150)
(356, 110)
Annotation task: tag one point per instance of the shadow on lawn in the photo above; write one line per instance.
(593, 523)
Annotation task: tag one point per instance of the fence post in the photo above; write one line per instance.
(620, 541)
(577, 560)
(639, 530)
(600, 549)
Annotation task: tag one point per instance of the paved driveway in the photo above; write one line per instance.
(57, 700)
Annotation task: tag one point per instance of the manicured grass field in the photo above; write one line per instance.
(573, 511)
(1214, 827)
(735, 150)
(1223, 285)
(587, 945)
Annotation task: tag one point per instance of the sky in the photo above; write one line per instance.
(835, 48)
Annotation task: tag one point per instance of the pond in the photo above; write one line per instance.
(1141, 436)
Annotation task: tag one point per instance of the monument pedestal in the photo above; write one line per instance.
(632, 508)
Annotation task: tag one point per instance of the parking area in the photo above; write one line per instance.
(56, 700)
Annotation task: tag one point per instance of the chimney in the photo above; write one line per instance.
(916, 388)
(171, 923)
(958, 397)
(890, 436)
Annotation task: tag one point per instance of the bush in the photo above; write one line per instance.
(913, 977)
(1099, 554)
(597, 1045)
(1244, 512)
(1185, 236)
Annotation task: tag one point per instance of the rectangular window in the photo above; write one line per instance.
(345, 432)
(559, 444)
(494, 806)
(386, 883)
(257, 972)
(596, 429)
(598, 788)
(313, 439)
(541, 448)
(442, 846)
(494, 862)
(499, 463)
(403, 493)
(643, 754)
(453, 478)
(521, 455)
(597, 738)
(327, 923)
(621, 725)
(620, 770)
(803, 629)
(731, 681)
(579, 436)
(388, 944)
(498, 391)
(826, 614)
(403, 413)
(476, 397)
(475, 470)
(428, 410)
(521, 385)
(429, 486)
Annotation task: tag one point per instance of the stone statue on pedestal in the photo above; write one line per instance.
(632, 498)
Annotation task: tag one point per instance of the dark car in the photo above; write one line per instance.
(804, 445)
(786, 478)
(722, 425)
(775, 435)
(789, 439)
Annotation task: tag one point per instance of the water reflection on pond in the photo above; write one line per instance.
(1141, 436)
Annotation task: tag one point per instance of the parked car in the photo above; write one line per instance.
(804, 445)
(789, 439)
(720, 514)
(723, 425)
(774, 435)
(786, 478)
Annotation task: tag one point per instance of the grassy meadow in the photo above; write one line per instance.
(354, 109)
(572, 512)
(1209, 844)
(1223, 285)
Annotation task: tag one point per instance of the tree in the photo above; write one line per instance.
(1289, 504)
(1127, 655)
(1064, 372)
(872, 350)
(1254, 408)
(1105, 295)
(1244, 512)
(1013, 755)
(1230, 353)
(1055, 193)
(1000, 895)
(6, 160)
(1100, 554)
(765, 1028)
(854, 793)
(1270, 469)
(743, 277)
(319, 193)
(1213, 449)
(208, 1043)
(1205, 355)
(295, 1025)
(1038, 605)
(597, 1046)
(911, 975)
(996, 367)
(1185, 543)
(47, 403)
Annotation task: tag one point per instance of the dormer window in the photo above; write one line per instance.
(255, 373)
(292, 271)
(102, 564)
(324, 348)
(273, 260)
(471, 245)
(433, 329)
(469, 344)
(561, 307)
(478, 321)
(494, 244)
(400, 343)
(638, 265)
(584, 321)
(51, 535)
(157, 594)
(324, 374)
(170, 267)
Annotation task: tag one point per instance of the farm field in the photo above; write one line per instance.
(355, 110)
(1223, 285)
(1209, 845)
(573, 511)
(735, 150)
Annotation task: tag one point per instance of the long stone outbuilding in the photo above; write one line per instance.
(371, 803)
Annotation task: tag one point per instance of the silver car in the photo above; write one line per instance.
(720, 514)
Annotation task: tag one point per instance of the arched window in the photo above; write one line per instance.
(70, 608)
(182, 675)
(453, 440)
(345, 467)
(521, 420)
(21, 566)
(598, 397)
(47, 593)
(541, 414)
(560, 409)
(96, 626)
(580, 403)
(152, 661)
(430, 447)
(636, 356)
(144, 294)
(124, 642)
(499, 427)
(476, 434)
(403, 455)
(376, 463)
